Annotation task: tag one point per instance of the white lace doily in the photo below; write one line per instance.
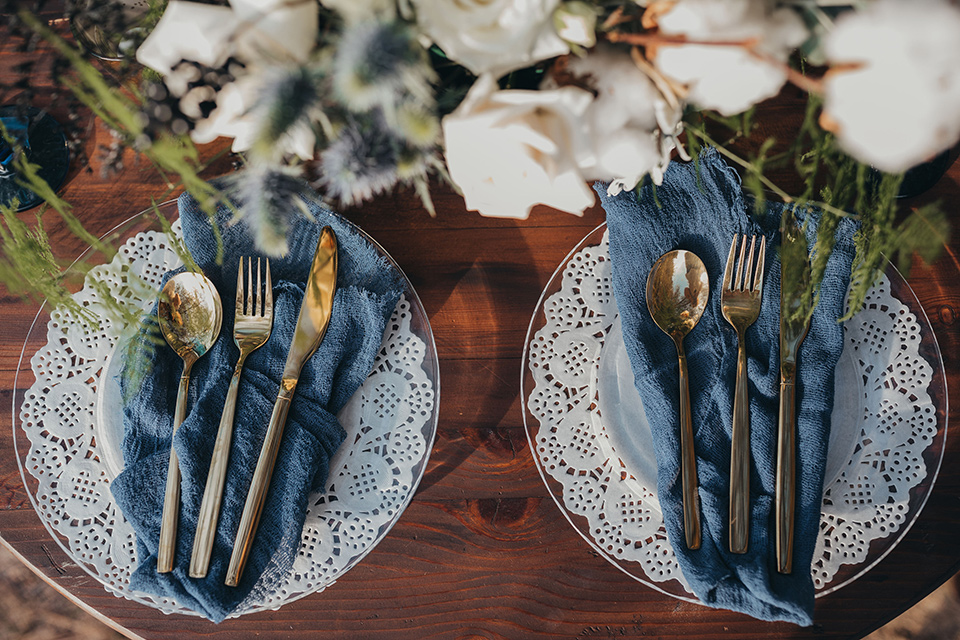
(71, 417)
(593, 439)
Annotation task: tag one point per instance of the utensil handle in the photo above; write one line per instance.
(213, 490)
(688, 460)
(171, 495)
(260, 483)
(786, 475)
(740, 458)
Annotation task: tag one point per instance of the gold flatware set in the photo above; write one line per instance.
(189, 315)
(676, 292)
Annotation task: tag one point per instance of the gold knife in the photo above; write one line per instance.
(311, 325)
(796, 309)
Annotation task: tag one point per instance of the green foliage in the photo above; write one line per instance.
(839, 187)
(138, 347)
(176, 243)
(751, 179)
(923, 232)
(28, 266)
(28, 175)
(797, 294)
(170, 154)
(874, 239)
(823, 247)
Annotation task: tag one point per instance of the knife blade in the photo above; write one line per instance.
(796, 309)
(312, 323)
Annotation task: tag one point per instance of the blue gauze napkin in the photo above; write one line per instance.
(701, 213)
(368, 290)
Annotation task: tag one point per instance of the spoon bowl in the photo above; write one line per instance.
(189, 314)
(677, 292)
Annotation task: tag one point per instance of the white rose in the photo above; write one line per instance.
(510, 150)
(730, 78)
(492, 36)
(261, 33)
(626, 122)
(894, 101)
(188, 31)
(250, 29)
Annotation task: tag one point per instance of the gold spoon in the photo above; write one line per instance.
(677, 290)
(189, 315)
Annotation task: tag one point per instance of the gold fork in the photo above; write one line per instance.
(251, 329)
(740, 301)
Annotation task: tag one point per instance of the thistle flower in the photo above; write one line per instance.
(269, 199)
(377, 63)
(289, 103)
(363, 160)
(417, 124)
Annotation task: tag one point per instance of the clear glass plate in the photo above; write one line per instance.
(612, 447)
(67, 475)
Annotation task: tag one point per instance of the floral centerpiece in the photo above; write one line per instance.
(524, 102)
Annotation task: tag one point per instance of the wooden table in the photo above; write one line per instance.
(482, 551)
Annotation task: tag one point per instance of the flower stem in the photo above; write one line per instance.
(749, 166)
(795, 77)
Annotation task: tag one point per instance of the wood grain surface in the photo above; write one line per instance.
(483, 551)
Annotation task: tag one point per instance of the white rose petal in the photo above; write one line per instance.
(728, 78)
(508, 151)
(896, 97)
(284, 30)
(188, 31)
(492, 36)
(231, 118)
(262, 33)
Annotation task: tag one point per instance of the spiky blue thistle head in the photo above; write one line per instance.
(377, 63)
(363, 159)
(289, 96)
(269, 199)
(288, 106)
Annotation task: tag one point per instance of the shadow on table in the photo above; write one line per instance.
(936, 617)
(479, 303)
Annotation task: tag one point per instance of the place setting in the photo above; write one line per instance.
(301, 393)
(700, 429)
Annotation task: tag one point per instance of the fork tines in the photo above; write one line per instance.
(252, 302)
(745, 281)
